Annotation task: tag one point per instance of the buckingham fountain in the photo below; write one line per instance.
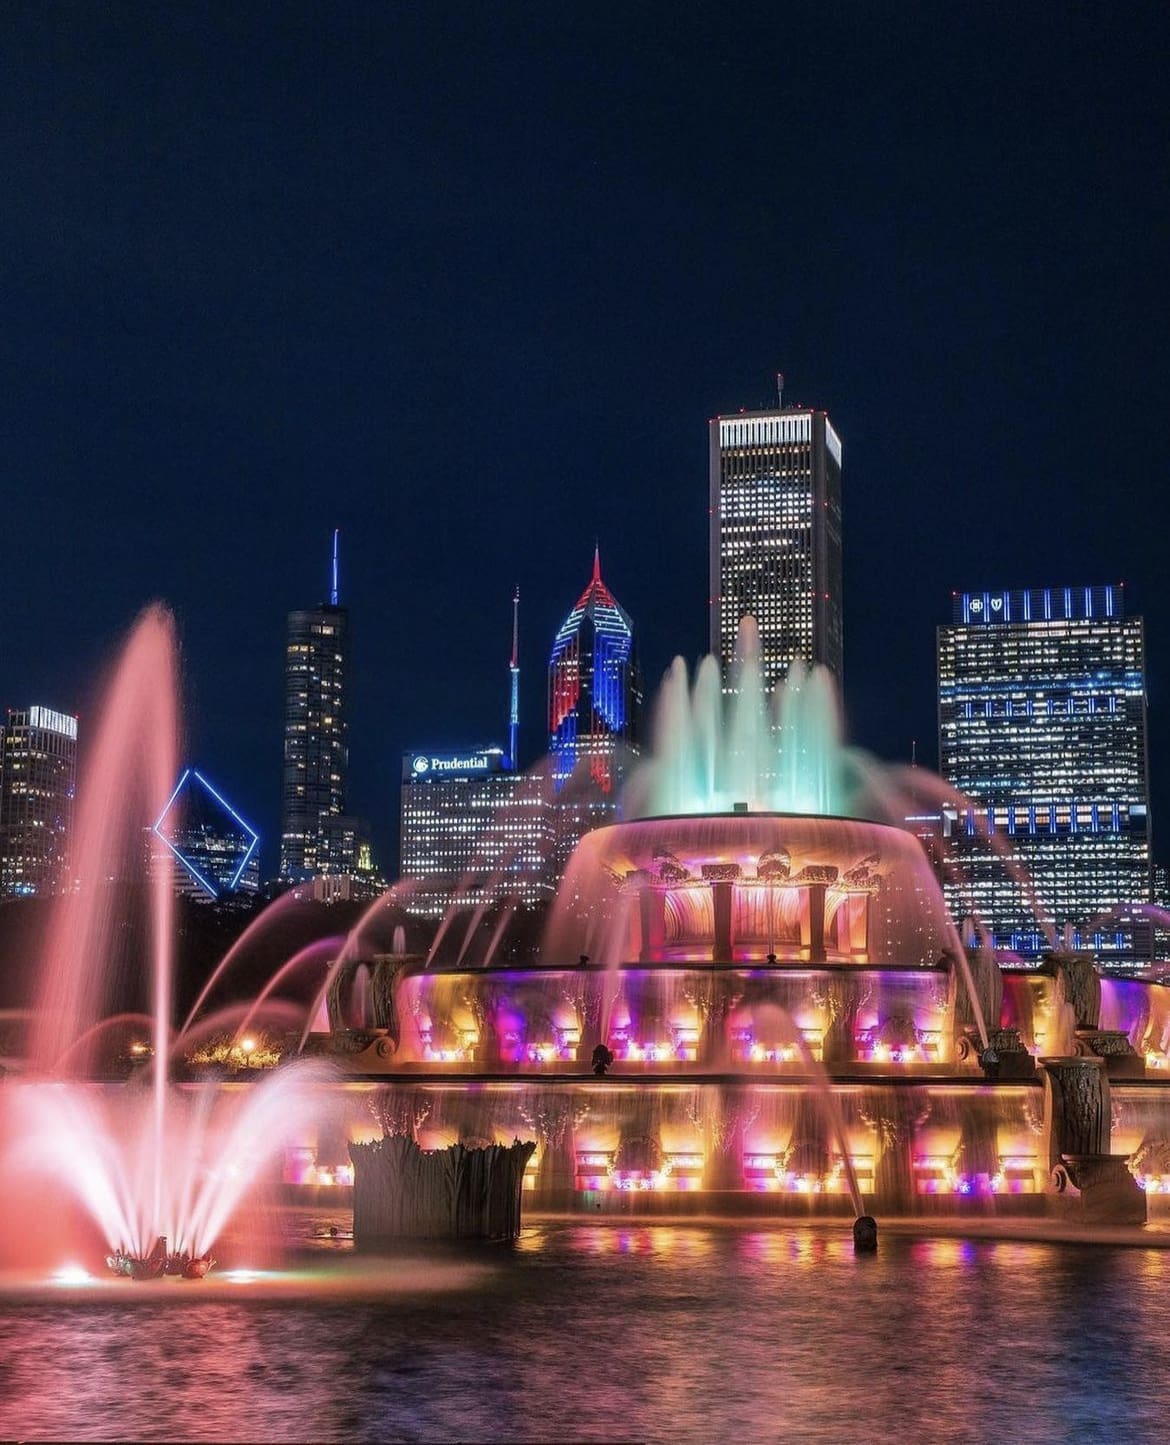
(750, 999)
(786, 1017)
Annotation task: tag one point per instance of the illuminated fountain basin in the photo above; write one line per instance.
(794, 1028)
(747, 1087)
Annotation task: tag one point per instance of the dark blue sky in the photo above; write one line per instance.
(468, 280)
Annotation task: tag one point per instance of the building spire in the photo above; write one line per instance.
(335, 575)
(597, 561)
(514, 670)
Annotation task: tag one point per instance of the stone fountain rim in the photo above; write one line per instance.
(789, 969)
(752, 813)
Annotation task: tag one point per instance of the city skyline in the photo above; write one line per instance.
(492, 329)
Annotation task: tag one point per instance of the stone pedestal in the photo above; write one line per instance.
(1099, 1189)
(812, 922)
(1006, 1058)
(1122, 1060)
(403, 1192)
(1088, 1181)
(1077, 1115)
(1078, 985)
(652, 911)
(724, 942)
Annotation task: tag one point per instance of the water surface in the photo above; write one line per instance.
(611, 1332)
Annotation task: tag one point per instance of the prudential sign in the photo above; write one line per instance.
(417, 767)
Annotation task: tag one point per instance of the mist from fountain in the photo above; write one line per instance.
(141, 1163)
(713, 751)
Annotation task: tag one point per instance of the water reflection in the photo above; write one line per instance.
(610, 1331)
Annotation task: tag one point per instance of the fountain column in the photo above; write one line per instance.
(652, 910)
(1090, 1182)
(840, 998)
(1078, 985)
(853, 924)
(812, 921)
(895, 1119)
(721, 877)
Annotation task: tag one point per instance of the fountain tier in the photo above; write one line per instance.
(752, 887)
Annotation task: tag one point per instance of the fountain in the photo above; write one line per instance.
(751, 998)
(158, 1169)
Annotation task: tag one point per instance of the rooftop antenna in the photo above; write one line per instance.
(913, 752)
(779, 391)
(514, 671)
(335, 589)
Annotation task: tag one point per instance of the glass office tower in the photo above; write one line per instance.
(316, 742)
(775, 510)
(38, 778)
(473, 832)
(1042, 726)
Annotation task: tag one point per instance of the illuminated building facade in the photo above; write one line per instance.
(594, 712)
(776, 538)
(473, 832)
(594, 689)
(210, 849)
(38, 778)
(1042, 725)
(316, 743)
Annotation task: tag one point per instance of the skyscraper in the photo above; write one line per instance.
(776, 537)
(316, 747)
(473, 831)
(38, 777)
(594, 711)
(1042, 725)
(594, 687)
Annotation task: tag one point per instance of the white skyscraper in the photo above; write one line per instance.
(776, 537)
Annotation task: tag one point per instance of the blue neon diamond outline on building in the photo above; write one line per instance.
(250, 833)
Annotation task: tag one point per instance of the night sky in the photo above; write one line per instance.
(467, 281)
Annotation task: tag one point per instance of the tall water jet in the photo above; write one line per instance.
(713, 750)
(128, 775)
(143, 1165)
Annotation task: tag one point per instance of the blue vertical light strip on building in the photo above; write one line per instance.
(514, 671)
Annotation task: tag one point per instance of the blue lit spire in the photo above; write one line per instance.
(514, 670)
(335, 580)
(594, 687)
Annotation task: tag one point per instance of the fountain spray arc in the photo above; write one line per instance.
(147, 1165)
